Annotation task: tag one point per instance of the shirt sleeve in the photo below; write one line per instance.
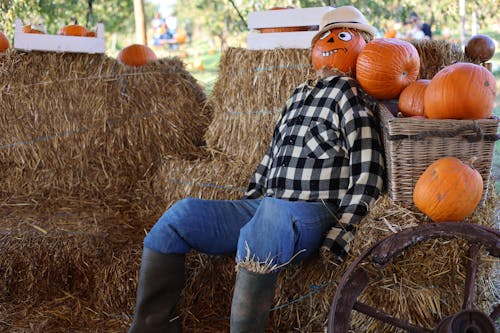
(361, 138)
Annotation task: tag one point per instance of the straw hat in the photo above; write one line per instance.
(344, 17)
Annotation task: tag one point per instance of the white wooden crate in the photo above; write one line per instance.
(59, 43)
(296, 17)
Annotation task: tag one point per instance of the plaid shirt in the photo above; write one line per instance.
(325, 147)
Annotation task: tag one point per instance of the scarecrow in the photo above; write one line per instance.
(323, 169)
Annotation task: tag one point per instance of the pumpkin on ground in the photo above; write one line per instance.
(480, 48)
(411, 99)
(460, 91)
(180, 36)
(4, 42)
(448, 190)
(338, 49)
(74, 30)
(136, 55)
(386, 66)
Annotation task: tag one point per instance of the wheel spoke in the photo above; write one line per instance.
(386, 318)
(470, 278)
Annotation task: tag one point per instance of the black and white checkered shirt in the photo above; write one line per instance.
(325, 147)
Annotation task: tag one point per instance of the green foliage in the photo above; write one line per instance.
(117, 15)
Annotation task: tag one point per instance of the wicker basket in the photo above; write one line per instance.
(411, 145)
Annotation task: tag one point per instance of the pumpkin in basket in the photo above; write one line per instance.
(460, 91)
(386, 66)
(136, 55)
(411, 99)
(73, 30)
(4, 42)
(33, 29)
(448, 190)
(337, 49)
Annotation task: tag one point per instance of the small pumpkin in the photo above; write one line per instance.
(136, 55)
(480, 48)
(411, 99)
(460, 91)
(448, 190)
(91, 33)
(73, 30)
(4, 42)
(180, 36)
(338, 49)
(386, 66)
(28, 29)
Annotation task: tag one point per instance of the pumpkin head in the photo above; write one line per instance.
(448, 190)
(386, 66)
(74, 30)
(4, 42)
(338, 49)
(461, 91)
(411, 99)
(136, 55)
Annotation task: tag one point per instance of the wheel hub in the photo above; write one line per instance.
(467, 321)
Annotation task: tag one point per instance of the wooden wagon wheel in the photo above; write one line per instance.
(355, 279)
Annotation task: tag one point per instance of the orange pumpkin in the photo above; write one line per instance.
(180, 36)
(338, 49)
(28, 29)
(91, 34)
(386, 66)
(136, 55)
(4, 42)
(460, 91)
(74, 30)
(448, 190)
(411, 99)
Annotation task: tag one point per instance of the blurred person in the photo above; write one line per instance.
(419, 29)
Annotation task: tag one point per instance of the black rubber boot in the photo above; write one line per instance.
(161, 279)
(252, 300)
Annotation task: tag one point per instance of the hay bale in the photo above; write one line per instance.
(413, 286)
(437, 54)
(251, 89)
(426, 283)
(83, 124)
(212, 177)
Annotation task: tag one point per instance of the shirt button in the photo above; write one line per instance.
(283, 164)
(292, 141)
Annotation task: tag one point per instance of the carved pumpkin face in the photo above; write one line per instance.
(338, 49)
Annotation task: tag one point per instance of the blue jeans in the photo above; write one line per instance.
(269, 228)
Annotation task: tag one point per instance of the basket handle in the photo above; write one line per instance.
(478, 136)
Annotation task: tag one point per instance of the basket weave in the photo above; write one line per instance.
(412, 144)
